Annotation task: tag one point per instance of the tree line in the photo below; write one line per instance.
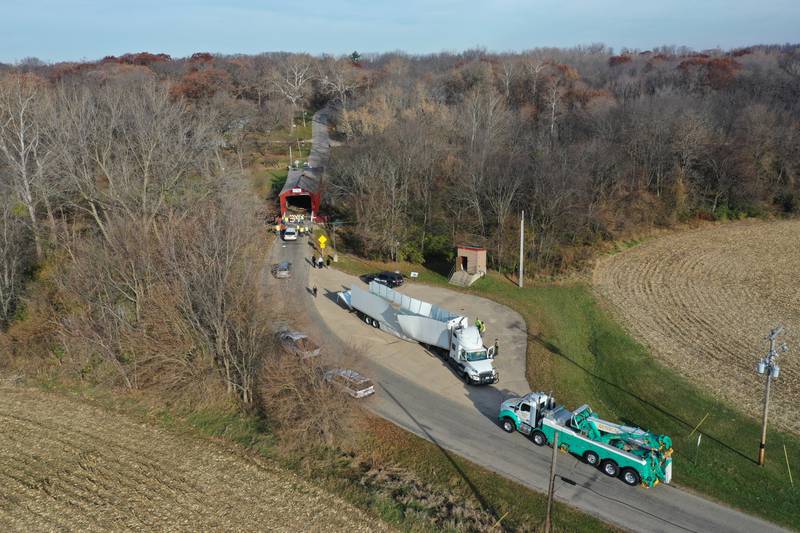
(592, 146)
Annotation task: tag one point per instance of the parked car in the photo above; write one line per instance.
(390, 279)
(297, 343)
(290, 233)
(282, 270)
(350, 381)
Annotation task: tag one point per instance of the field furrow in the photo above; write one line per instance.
(703, 300)
(66, 465)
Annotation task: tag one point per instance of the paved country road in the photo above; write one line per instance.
(418, 392)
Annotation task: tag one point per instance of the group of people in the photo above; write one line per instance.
(281, 223)
(320, 262)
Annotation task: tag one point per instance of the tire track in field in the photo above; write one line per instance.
(126, 472)
(66, 465)
(704, 299)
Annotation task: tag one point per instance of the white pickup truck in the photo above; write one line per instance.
(450, 335)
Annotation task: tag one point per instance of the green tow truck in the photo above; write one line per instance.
(629, 453)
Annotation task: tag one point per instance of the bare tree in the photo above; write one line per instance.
(534, 67)
(373, 184)
(338, 79)
(484, 121)
(15, 257)
(24, 143)
(216, 277)
(306, 410)
(509, 73)
(290, 79)
(502, 186)
(141, 143)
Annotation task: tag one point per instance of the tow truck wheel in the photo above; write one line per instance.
(465, 377)
(539, 438)
(591, 458)
(609, 468)
(508, 425)
(376, 324)
(368, 320)
(630, 477)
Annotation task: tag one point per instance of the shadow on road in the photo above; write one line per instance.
(333, 296)
(555, 350)
(444, 360)
(481, 500)
(487, 399)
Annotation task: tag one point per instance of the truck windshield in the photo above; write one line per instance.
(476, 356)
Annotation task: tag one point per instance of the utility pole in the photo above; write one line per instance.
(521, 248)
(333, 226)
(548, 524)
(768, 366)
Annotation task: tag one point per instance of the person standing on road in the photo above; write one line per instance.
(314, 260)
(496, 347)
(314, 291)
(480, 325)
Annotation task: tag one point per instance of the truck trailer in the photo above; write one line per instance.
(448, 334)
(632, 454)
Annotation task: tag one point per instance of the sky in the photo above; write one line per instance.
(69, 30)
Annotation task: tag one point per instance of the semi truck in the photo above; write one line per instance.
(445, 333)
(632, 454)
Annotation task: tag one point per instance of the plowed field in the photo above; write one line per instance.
(69, 466)
(703, 301)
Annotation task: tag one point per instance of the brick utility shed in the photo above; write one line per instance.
(302, 190)
(472, 259)
(470, 266)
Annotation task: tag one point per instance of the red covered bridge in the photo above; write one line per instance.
(302, 192)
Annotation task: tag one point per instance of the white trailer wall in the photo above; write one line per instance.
(405, 316)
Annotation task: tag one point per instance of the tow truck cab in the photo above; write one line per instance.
(526, 413)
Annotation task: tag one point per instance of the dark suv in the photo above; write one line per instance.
(390, 279)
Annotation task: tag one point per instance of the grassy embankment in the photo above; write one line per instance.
(402, 505)
(576, 350)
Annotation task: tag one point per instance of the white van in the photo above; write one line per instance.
(290, 233)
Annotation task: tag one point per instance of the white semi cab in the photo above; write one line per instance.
(449, 335)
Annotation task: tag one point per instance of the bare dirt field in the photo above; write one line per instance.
(703, 301)
(69, 466)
